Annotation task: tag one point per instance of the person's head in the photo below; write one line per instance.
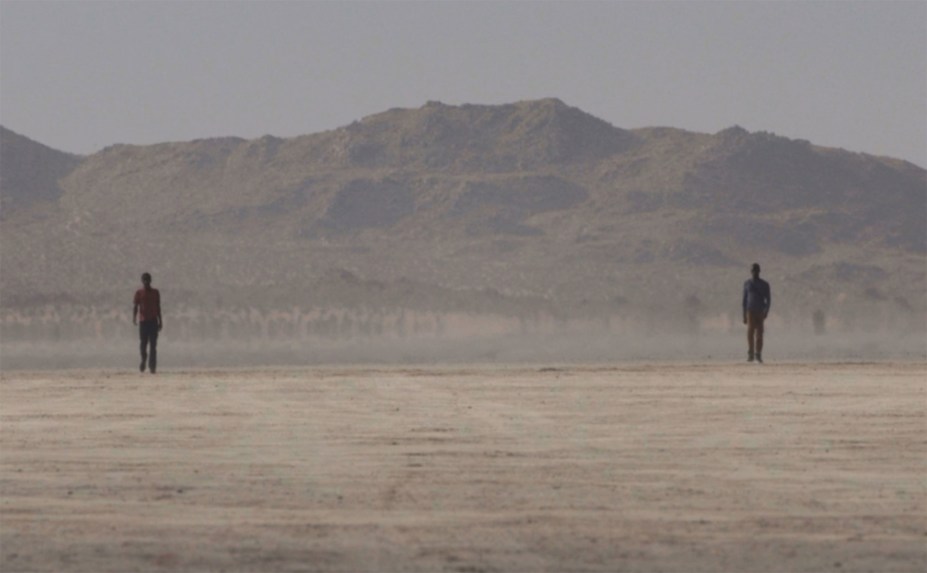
(146, 279)
(755, 270)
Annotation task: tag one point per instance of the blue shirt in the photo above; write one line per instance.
(757, 296)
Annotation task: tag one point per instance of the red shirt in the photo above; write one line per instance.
(149, 304)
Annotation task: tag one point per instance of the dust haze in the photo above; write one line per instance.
(341, 337)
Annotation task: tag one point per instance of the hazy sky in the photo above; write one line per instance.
(79, 76)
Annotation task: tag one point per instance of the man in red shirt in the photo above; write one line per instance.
(147, 314)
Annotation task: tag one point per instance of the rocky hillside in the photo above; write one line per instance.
(529, 207)
(29, 173)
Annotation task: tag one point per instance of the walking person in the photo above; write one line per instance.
(757, 300)
(146, 312)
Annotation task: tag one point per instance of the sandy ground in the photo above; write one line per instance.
(719, 467)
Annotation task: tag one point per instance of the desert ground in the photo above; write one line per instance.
(629, 467)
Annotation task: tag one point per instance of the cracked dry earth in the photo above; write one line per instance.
(636, 467)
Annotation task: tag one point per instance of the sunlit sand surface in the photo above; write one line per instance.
(638, 467)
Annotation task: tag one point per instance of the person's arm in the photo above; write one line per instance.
(745, 303)
(160, 323)
(135, 309)
(768, 300)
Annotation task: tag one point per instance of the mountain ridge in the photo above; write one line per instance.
(532, 200)
(29, 171)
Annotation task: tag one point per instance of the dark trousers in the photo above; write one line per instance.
(755, 320)
(148, 336)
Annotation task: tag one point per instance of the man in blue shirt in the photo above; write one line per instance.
(757, 299)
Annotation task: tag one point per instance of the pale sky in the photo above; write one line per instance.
(79, 76)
